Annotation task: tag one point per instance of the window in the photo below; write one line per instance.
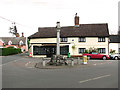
(49, 50)
(64, 50)
(63, 39)
(21, 42)
(10, 43)
(37, 50)
(101, 39)
(119, 50)
(93, 53)
(82, 39)
(81, 50)
(101, 50)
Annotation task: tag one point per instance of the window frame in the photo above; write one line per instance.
(102, 50)
(79, 50)
(10, 42)
(21, 42)
(82, 39)
(101, 39)
(64, 39)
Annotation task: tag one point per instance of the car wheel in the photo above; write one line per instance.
(88, 57)
(104, 58)
(116, 58)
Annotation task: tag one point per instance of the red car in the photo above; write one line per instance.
(96, 55)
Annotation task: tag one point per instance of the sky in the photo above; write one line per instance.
(31, 14)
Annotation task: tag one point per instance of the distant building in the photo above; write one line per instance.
(114, 43)
(16, 42)
(73, 39)
(119, 31)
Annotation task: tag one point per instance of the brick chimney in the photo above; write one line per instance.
(22, 34)
(17, 34)
(76, 20)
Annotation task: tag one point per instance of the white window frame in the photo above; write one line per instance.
(102, 50)
(63, 39)
(79, 50)
(101, 39)
(21, 42)
(82, 39)
(10, 43)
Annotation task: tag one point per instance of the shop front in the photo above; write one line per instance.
(49, 50)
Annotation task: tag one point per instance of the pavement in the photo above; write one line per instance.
(18, 71)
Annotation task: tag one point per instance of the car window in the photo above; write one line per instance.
(94, 53)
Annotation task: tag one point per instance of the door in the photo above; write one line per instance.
(95, 55)
(50, 50)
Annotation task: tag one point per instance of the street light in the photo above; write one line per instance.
(58, 37)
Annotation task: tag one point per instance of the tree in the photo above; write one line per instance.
(112, 51)
(92, 49)
(13, 29)
(28, 43)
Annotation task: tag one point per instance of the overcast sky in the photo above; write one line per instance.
(31, 14)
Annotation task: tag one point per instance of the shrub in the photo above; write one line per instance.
(4, 44)
(73, 47)
(10, 51)
(112, 51)
(86, 51)
(92, 49)
(10, 47)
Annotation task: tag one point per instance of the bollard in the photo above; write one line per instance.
(72, 62)
(67, 61)
(84, 60)
(44, 63)
(78, 61)
(30, 54)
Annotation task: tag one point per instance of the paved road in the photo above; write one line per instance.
(20, 73)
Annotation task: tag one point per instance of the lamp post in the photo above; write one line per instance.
(58, 37)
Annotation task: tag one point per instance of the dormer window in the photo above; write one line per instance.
(21, 42)
(10, 43)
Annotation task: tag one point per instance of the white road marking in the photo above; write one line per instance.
(94, 78)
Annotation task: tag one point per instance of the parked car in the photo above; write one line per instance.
(115, 56)
(95, 55)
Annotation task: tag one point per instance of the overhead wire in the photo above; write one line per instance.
(14, 22)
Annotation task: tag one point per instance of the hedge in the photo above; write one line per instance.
(10, 51)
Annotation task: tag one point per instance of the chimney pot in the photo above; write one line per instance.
(22, 34)
(17, 34)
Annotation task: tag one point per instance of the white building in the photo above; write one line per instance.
(114, 43)
(73, 39)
